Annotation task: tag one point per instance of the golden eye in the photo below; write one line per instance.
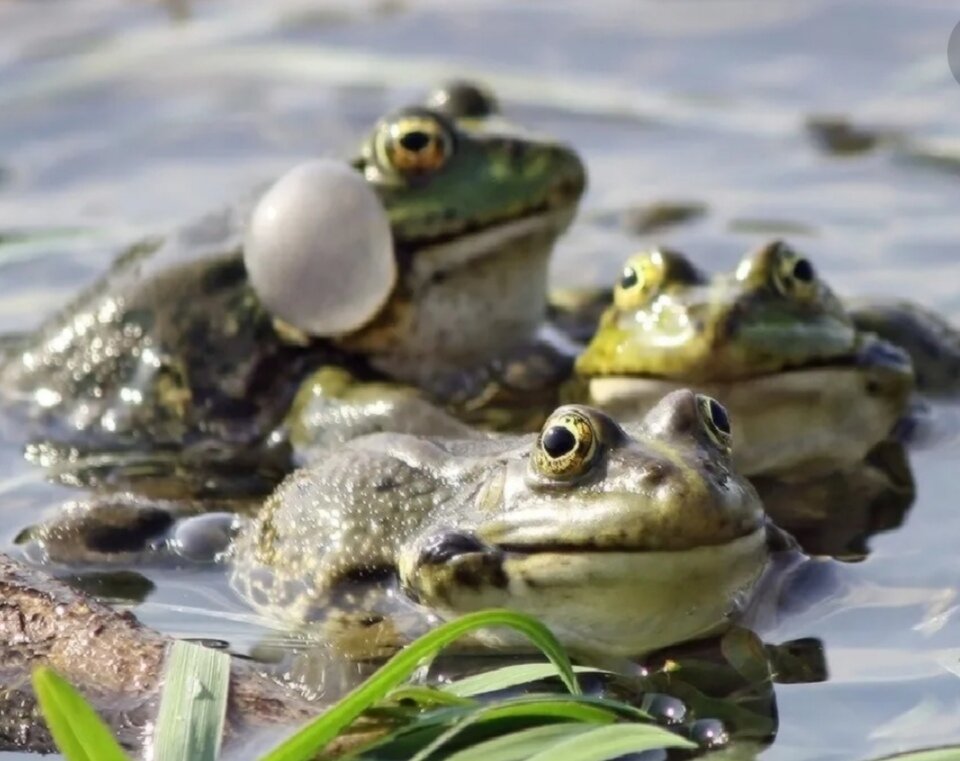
(715, 421)
(793, 275)
(567, 446)
(641, 278)
(414, 144)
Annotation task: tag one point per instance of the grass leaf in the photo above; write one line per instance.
(605, 743)
(305, 743)
(509, 676)
(79, 732)
(517, 746)
(427, 696)
(552, 707)
(193, 705)
(950, 753)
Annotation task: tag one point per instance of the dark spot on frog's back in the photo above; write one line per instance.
(128, 537)
(228, 274)
(366, 574)
(488, 573)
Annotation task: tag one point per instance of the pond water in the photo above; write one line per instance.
(119, 119)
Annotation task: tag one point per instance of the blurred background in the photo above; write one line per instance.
(708, 125)
(705, 125)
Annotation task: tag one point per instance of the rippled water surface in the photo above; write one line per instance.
(122, 118)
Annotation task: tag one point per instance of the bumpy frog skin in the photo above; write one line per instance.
(172, 349)
(620, 540)
(807, 390)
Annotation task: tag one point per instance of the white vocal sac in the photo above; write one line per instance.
(319, 251)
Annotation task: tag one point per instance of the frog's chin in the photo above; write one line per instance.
(796, 424)
(611, 602)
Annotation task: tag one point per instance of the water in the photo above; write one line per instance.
(120, 118)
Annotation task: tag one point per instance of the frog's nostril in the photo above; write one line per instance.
(441, 548)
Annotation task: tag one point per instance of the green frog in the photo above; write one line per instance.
(809, 391)
(172, 353)
(604, 532)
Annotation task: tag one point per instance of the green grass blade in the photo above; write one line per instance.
(312, 738)
(951, 753)
(507, 677)
(553, 707)
(606, 743)
(79, 732)
(193, 704)
(428, 696)
(517, 746)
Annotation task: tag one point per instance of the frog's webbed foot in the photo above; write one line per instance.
(932, 343)
(127, 529)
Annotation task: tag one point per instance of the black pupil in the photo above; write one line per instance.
(718, 414)
(415, 140)
(629, 278)
(558, 441)
(803, 271)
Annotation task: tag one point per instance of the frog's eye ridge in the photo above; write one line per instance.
(716, 421)
(567, 446)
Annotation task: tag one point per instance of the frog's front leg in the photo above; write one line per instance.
(333, 406)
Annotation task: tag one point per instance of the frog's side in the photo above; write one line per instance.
(931, 341)
(173, 350)
(808, 392)
(603, 533)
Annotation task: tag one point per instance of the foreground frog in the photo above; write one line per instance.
(603, 532)
(808, 391)
(174, 351)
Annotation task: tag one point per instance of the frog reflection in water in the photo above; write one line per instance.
(173, 354)
(620, 540)
(808, 391)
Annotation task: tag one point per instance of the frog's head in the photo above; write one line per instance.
(670, 320)
(474, 206)
(620, 540)
(436, 260)
(771, 341)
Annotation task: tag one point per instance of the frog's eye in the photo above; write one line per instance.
(414, 144)
(641, 277)
(794, 275)
(567, 446)
(715, 421)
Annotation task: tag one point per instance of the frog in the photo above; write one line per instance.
(173, 354)
(601, 530)
(809, 391)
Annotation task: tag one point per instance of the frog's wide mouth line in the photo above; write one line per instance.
(574, 566)
(494, 240)
(838, 362)
(803, 379)
(559, 202)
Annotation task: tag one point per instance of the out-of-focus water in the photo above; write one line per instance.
(120, 118)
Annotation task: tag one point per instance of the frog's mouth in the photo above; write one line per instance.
(883, 365)
(456, 559)
(616, 602)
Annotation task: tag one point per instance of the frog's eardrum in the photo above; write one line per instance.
(319, 250)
